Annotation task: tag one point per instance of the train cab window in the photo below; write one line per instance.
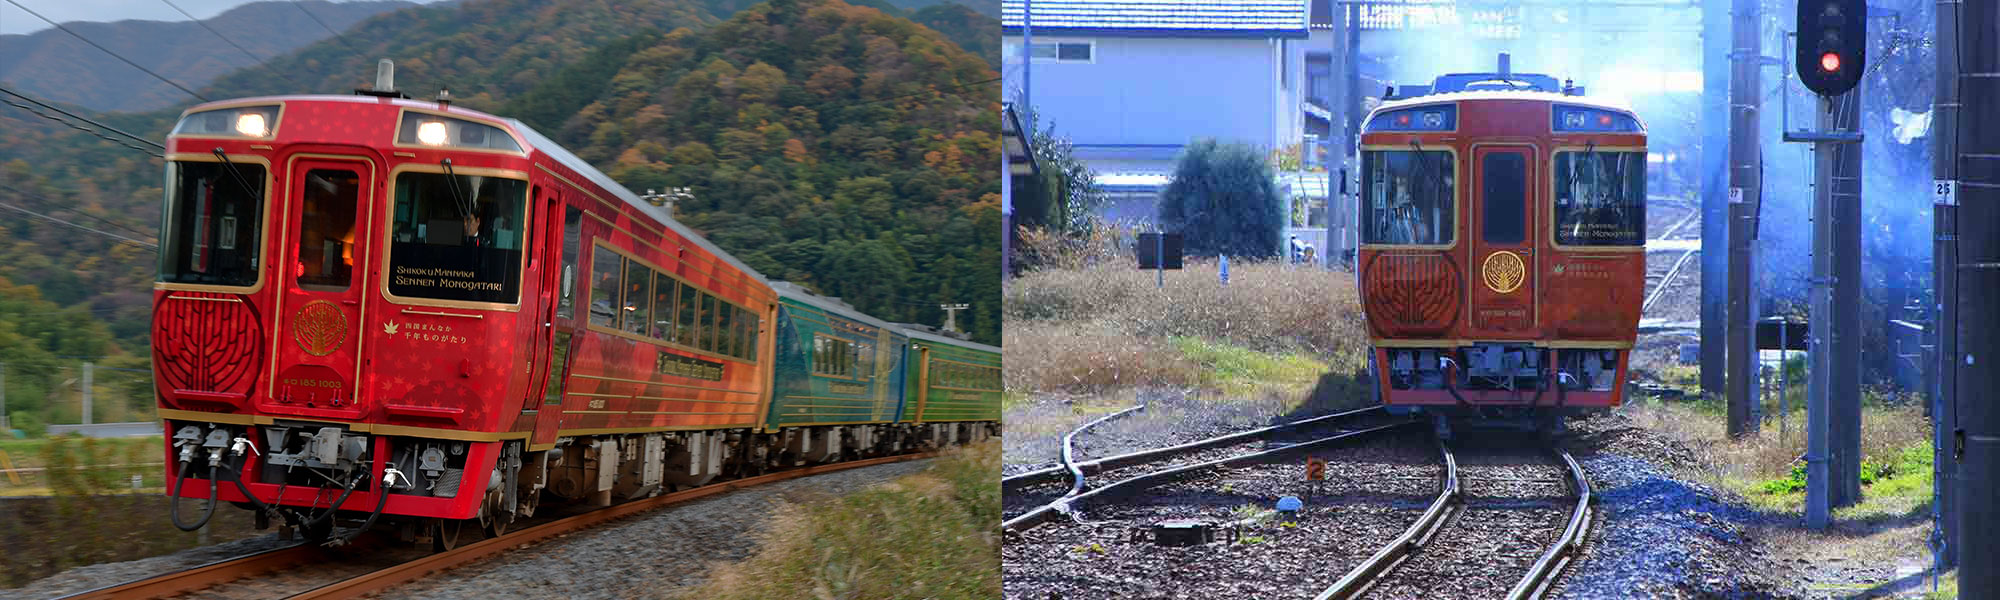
(1503, 194)
(457, 237)
(663, 306)
(572, 247)
(1600, 198)
(211, 225)
(638, 297)
(604, 268)
(326, 229)
(1407, 197)
(864, 360)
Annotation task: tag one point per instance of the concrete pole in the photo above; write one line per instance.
(1007, 212)
(1976, 434)
(1818, 373)
(86, 393)
(1353, 96)
(1944, 264)
(1714, 199)
(4, 425)
(1745, 191)
(1845, 335)
(1028, 65)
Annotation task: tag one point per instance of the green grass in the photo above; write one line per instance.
(928, 535)
(1237, 369)
(1890, 486)
(93, 459)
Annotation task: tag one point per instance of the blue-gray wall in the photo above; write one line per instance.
(1169, 91)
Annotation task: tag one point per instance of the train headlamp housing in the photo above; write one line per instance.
(438, 131)
(1568, 118)
(1436, 117)
(254, 122)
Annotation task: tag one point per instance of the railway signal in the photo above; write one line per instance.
(1833, 44)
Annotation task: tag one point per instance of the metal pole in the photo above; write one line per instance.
(1745, 189)
(86, 393)
(1028, 64)
(1714, 201)
(1784, 378)
(1944, 232)
(1844, 353)
(1160, 259)
(1817, 370)
(1353, 58)
(1976, 431)
(4, 425)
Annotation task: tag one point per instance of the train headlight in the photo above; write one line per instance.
(251, 124)
(1434, 120)
(431, 133)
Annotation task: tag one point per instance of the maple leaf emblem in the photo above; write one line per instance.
(389, 328)
(1559, 269)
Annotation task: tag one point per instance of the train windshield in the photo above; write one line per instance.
(1600, 198)
(456, 237)
(209, 230)
(1407, 197)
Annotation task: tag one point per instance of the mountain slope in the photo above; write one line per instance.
(828, 144)
(54, 66)
(977, 33)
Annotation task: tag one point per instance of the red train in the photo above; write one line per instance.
(374, 307)
(1503, 247)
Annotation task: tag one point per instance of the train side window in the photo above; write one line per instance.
(1407, 197)
(604, 269)
(725, 328)
(1503, 195)
(753, 325)
(663, 306)
(638, 294)
(572, 246)
(1600, 198)
(457, 237)
(684, 327)
(707, 320)
(211, 225)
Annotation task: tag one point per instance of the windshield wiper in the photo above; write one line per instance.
(458, 200)
(238, 175)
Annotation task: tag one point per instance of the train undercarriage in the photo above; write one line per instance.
(437, 488)
(1499, 385)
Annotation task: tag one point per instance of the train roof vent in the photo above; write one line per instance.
(385, 82)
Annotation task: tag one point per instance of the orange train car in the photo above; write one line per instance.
(1502, 260)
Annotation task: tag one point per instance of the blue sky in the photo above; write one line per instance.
(13, 20)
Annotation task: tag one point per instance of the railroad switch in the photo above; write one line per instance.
(1183, 532)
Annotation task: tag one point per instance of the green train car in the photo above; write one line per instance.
(836, 386)
(953, 387)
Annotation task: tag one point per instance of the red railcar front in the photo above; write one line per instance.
(1502, 256)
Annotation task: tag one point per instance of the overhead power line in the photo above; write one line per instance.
(80, 118)
(146, 245)
(108, 51)
(322, 25)
(246, 52)
(46, 205)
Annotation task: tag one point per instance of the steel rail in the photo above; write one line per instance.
(411, 571)
(1542, 575)
(1145, 456)
(1364, 576)
(1069, 447)
(1062, 506)
(197, 578)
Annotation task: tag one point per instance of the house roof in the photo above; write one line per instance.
(1014, 141)
(1162, 18)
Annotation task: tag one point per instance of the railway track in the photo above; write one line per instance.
(1035, 496)
(1469, 542)
(357, 571)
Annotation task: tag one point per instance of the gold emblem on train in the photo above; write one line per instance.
(1503, 271)
(320, 328)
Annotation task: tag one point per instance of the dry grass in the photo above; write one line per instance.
(928, 535)
(1108, 325)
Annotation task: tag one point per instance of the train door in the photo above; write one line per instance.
(561, 250)
(323, 281)
(1502, 255)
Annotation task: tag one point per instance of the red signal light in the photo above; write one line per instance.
(1402, 119)
(1830, 62)
(1604, 120)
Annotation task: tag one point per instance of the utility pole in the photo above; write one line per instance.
(4, 425)
(1714, 202)
(86, 393)
(1944, 270)
(1976, 433)
(1745, 193)
(951, 315)
(1833, 394)
(1336, 132)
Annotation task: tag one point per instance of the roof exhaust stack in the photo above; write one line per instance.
(385, 82)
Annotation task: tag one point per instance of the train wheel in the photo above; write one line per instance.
(497, 526)
(444, 534)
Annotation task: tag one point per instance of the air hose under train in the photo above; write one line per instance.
(174, 498)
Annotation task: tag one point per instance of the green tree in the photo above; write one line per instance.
(1224, 199)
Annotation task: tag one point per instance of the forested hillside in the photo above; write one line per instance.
(826, 143)
(56, 67)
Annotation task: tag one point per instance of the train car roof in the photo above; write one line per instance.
(1444, 97)
(949, 341)
(536, 142)
(787, 289)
